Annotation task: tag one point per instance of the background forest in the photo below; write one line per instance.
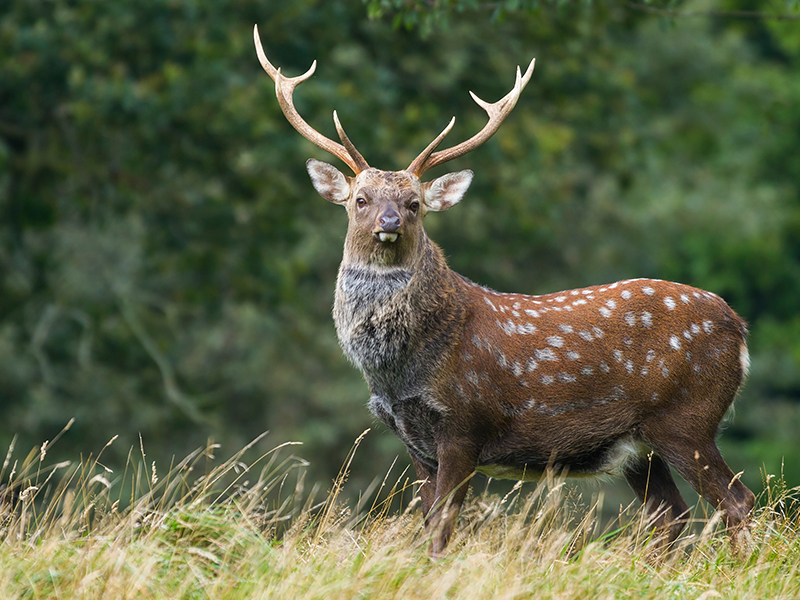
(166, 268)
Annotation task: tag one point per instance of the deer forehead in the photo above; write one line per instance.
(387, 184)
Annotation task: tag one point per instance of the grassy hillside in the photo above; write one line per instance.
(251, 531)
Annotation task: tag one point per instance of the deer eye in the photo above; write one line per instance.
(361, 202)
(414, 206)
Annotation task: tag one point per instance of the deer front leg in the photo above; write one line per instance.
(427, 488)
(456, 466)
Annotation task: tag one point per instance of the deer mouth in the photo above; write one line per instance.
(386, 236)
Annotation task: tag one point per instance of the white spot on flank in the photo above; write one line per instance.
(644, 371)
(708, 326)
(604, 367)
(647, 319)
(654, 397)
(489, 302)
(696, 368)
(585, 335)
(587, 371)
(611, 304)
(669, 303)
(630, 319)
(684, 298)
(602, 289)
(566, 378)
(688, 356)
(695, 328)
(578, 302)
(629, 366)
(605, 312)
(664, 372)
(561, 298)
(556, 341)
(598, 333)
(687, 335)
(531, 313)
(617, 354)
(697, 295)
(565, 328)
(531, 365)
(651, 354)
(546, 379)
(572, 355)
(674, 342)
(545, 354)
(648, 290)
(574, 292)
(585, 292)
(626, 294)
(515, 313)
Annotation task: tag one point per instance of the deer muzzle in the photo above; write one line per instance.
(388, 226)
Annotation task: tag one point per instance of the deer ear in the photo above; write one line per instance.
(446, 191)
(329, 182)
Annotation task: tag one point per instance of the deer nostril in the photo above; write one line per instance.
(390, 222)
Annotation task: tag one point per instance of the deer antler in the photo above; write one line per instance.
(284, 88)
(496, 111)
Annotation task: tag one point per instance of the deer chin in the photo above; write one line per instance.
(385, 236)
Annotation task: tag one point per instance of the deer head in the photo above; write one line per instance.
(386, 208)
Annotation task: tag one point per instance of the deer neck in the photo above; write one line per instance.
(386, 315)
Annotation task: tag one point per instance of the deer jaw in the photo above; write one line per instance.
(385, 210)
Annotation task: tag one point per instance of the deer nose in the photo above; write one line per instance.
(390, 221)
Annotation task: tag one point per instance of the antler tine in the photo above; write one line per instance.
(497, 112)
(417, 163)
(351, 149)
(284, 88)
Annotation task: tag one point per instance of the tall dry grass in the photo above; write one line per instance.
(251, 530)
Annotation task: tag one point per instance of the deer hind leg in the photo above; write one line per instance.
(651, 480)
(702, 466)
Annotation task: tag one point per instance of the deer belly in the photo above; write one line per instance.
(609, 458)
(412, 419)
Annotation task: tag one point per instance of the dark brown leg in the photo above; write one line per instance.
(651, 480)
(456, 466)
(427, 489)
(703, 467)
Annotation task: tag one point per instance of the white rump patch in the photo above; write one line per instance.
(744, 360)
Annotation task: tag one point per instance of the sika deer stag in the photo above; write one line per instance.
(626, 378)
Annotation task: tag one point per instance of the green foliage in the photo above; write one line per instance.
(166, 268)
